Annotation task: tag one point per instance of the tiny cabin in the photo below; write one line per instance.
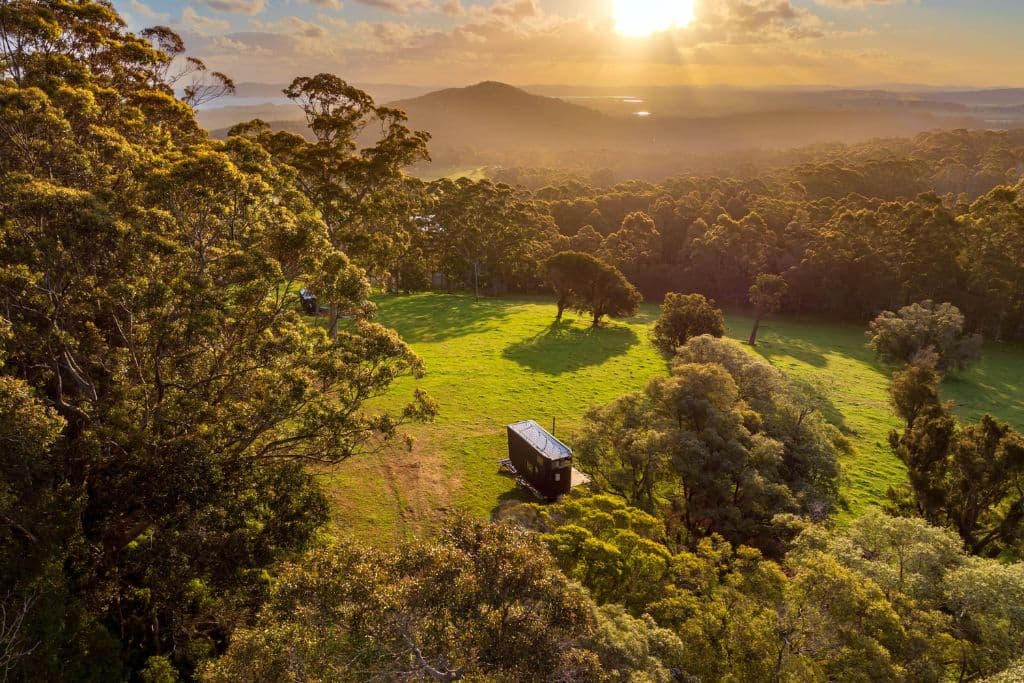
(541, 460)
(309, 302)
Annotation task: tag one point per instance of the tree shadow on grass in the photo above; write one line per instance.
(817, 391)
(772, 346)
(563, 347)
(438, 317)
(993, 387)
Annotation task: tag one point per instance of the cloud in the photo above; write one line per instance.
(511, 9)
(141, 11)
(399, 6)
(858, 4)
(530, 41)
(752, 22)
(204, 26)
(250, 7)
(453, 8)
(291, 26)
(328, 4)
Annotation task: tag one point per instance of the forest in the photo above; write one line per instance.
(167, 408)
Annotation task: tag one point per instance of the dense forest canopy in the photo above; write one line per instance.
(170, 394)
(164, 404)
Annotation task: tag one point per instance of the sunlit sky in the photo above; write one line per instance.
(604, 42)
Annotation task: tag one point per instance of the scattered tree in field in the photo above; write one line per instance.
(609, 294)
(568, 273)
(684, 316)
(969, 477)
(766, 297)
(915, 388)
(925, 327)
(588, 285)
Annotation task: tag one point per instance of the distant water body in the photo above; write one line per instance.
(224, 102)
(614, 101)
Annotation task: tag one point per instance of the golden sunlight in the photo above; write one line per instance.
(644, 17)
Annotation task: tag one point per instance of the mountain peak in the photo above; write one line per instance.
(495, 86)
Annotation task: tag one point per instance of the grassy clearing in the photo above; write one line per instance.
(493, 362)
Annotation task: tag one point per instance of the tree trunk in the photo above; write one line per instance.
(561, 309)
(753, 333)
(597, 319)
(333, 317)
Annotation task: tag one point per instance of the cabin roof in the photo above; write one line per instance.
(541, 440)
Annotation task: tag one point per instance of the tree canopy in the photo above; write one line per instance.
(173, 395)
(684, 316)
(925, 328)
(722, 446)
(968, 477)
(592, 286)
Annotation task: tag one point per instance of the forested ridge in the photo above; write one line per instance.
(853, 229)
(165, 404)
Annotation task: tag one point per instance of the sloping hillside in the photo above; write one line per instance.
(500, 117)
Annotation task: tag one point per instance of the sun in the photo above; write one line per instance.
(644, 17)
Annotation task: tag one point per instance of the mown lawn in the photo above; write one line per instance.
(496, 361)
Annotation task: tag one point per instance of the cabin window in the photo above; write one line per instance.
(558, 476)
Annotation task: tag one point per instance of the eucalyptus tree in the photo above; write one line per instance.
(766, 296)
(148, 279)
(684, 316)
(488, 235)
(926, 328)
(589, 285)
(352, 171)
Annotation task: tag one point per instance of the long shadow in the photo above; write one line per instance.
(438, 317)
(563, 347)
(992, 386)
(771, 346)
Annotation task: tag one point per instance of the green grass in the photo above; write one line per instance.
(496, 361)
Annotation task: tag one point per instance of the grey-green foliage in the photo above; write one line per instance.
(684, 316)
(924, 327)
(964, 614)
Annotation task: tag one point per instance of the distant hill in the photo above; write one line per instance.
(494, 124)
(496, 116)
